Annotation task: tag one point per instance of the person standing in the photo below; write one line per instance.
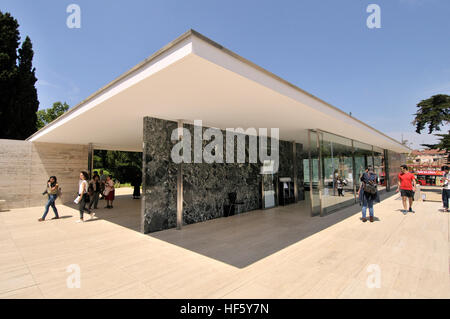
(446, 188)
(94, 185)
(368, 193)
(109, 192)
(136, 183)
(406, 187)
(83, 196)
(102, 184)
(340, 186)
(52, 192)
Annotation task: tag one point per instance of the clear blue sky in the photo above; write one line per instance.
(322, 46)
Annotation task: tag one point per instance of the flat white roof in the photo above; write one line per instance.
(194, 78)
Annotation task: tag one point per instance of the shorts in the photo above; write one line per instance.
(407, 193)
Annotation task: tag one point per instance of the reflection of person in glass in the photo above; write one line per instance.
(340, 186)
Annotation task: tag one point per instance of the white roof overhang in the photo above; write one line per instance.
(194, 78)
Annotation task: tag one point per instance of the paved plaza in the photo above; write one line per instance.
(276, 253)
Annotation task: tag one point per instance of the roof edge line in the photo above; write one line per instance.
(259, 68)
(137, 67)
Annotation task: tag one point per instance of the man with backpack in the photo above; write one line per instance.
(406, 187)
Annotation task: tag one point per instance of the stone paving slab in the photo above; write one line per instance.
(276, 253)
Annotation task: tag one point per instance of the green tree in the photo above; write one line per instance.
(444, 143)
(27, 98)
(9, 42)
(122, 165)
(434, 113)
(47, 116)
(18, 96)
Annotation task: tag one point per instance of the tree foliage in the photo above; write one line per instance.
(47, 116)
(124, 166)
(18, 95)
(444, 142)
(434, 113)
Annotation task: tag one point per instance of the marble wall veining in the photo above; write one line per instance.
(205, 186)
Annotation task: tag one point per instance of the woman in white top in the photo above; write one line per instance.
(83, 195)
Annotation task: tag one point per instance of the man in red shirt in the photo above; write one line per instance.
(407, 187)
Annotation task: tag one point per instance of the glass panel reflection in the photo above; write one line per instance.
(313, 174)
(337, 167)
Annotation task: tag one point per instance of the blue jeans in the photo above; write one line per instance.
(51, 202)
(445, 197)
(367, 203)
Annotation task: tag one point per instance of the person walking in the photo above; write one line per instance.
(446, 188)
(52, 192)
(109, 192)
(83, 196)
(94, 186)
(406, 187)
(368, 193)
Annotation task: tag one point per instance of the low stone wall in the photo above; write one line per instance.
(25, 168)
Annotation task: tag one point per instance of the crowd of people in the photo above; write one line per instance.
(101, 187)
(90, 192)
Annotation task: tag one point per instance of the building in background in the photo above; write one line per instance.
(432, 159)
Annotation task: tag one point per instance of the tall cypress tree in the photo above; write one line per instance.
(27, 99)
(9, 42)
(18, 95)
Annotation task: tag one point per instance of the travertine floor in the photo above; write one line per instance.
(277, 253)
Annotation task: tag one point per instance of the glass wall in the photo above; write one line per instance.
(363, 159)
(338, 175)
(379, 166)
(394, 161)
(312, 166)
(334, 168)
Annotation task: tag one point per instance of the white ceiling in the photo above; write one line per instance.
(196, 80)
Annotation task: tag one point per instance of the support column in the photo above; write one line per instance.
(180, 182)
(319, 145)
(294, 158)
(311, 195)
(90, 159)
(386, 171)
(354, 172)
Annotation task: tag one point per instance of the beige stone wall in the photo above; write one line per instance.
(25, 168)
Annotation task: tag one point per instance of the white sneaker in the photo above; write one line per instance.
(80, 221)
(92, 215)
